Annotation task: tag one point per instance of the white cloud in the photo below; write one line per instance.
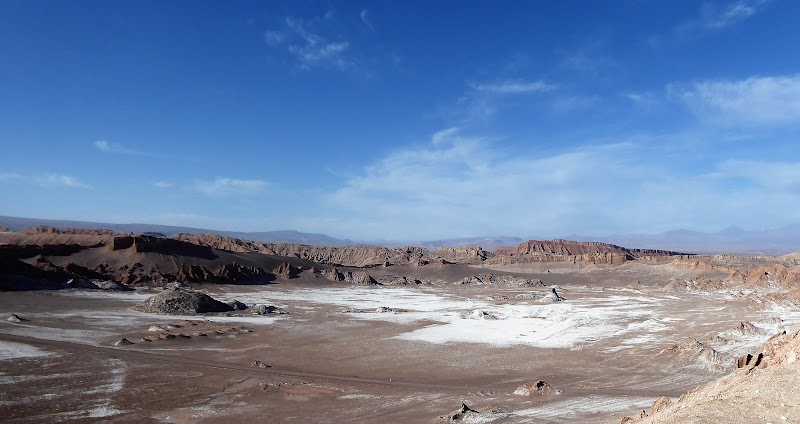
(45, 180)
(162, 184)
(645, 100)
(365, 19)
(753, 101)
(481, 101)
(8, 176)
(222, 186)
(59, 180)
(459, 185)
(714, 18)
(732, 13)
(105, 146)
(784, 175)
(308, 46)
(514, 87)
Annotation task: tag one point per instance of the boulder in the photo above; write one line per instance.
(267, 309)
(384, 309)
(123, 342)
(237, 306)
(15, 318)
(538, 387)
(183, 302)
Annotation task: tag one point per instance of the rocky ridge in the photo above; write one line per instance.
(761, 388)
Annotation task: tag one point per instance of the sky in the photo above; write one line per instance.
(403, 120)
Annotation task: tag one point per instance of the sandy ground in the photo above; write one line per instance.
(334, 358)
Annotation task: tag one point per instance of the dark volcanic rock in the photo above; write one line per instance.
(181, 301)
(237, 306)
(267, 309)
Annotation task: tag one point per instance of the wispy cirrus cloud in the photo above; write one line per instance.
(645, 100)
(305, 42)
(47, 180)
(59, 180)
(223, 186)
(756, 100)
(716, 18)
(364, 15)
(162, 184)
(482, 100)
(514, 87)
(768, 174)
(115, 148)
(9, 176)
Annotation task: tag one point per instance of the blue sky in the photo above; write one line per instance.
(403, 120)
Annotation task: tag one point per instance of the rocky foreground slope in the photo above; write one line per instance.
(762, 388)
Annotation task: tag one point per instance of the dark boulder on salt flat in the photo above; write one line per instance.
(183, 302)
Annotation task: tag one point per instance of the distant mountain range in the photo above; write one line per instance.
(731, 240)
(286, 236)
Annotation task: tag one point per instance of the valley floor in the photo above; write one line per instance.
(611, 349)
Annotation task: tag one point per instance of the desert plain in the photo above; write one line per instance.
(544, 332)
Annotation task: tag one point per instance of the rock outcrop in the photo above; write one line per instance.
(183, 302)
(552, 297)
(462, 414)
(697, 351)
(507, 280)
(761, 388)
(463, 255)
(572, 251)
(538, 387)
(352, 277)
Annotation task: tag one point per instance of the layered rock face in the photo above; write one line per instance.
(572, 251)
(349, 256)
(465, 255)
